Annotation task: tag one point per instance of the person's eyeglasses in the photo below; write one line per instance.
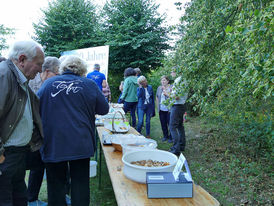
(56, 73)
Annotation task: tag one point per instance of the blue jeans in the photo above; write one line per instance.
(141, 113)
(131, 106)
(177, 129)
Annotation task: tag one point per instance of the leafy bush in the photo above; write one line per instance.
(226, 55)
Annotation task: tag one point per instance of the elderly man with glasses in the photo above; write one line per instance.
(20, 122)
(50, 68)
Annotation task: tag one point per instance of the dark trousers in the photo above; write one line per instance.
(13, 190)
(177, 128)
(164, 119)
(36, 174)
(57, 180)
(37, 168)
(131, 106)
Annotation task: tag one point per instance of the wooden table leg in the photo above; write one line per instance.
(100, 166)
(96, 144)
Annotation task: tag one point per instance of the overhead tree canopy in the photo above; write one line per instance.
(135, 33)
(67, 25)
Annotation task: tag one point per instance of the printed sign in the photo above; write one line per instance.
(93, 55)
(179, 166)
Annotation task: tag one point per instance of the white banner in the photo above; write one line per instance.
(93, 55)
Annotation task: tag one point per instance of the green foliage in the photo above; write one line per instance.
(136, 35)
(133, 29)
(114, 82)
(68, 25)
(226, 54)
(225, 167)
(4, 32)
(154, 78)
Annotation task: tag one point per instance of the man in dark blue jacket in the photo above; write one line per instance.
(68, 104)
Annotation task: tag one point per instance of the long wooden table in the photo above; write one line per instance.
(130, 193)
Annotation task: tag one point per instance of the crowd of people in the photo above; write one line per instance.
(47, 122)
(52, 129)
(138, 97)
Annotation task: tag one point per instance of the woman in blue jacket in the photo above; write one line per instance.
(146, 105)
(68, 104)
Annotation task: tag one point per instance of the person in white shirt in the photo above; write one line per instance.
(177, 115)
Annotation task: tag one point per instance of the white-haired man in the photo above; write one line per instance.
(20, 123)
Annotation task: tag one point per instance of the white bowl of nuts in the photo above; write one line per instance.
(138, 163)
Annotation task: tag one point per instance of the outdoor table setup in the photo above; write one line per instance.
(129, 181)
(115, 111)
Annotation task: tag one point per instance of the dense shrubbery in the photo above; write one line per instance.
(226, 54)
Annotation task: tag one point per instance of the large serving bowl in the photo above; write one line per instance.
(119, 139)
(139, 144)
(138, 173)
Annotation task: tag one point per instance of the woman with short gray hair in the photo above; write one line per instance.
(50, 68)
(74, 64)
(52, 64)
(146, 105)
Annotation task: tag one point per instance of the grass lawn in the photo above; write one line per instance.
(218, 163)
